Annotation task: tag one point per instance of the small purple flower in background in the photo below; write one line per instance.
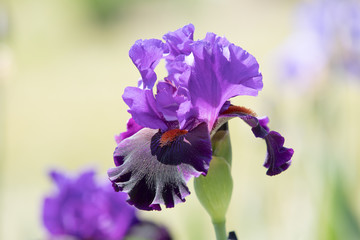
(326, 37)
(82, 209)
(169, 135)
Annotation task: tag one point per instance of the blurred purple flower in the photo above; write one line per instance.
(83, 209)
(326, 37)
(172, 140)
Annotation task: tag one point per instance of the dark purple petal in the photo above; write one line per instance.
(264, 121)
(278, 157)
(179, 41)
(147, 181)
(146, 54)
(180, 146)
(143, 108)
(232, 236)
(225, 106)
(221, 71)
(132, 128)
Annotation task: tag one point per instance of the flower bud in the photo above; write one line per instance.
(214, 190)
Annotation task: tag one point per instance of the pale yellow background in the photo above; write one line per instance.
(62, 78)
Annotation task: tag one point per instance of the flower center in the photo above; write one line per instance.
(239, 109)
(169, 136)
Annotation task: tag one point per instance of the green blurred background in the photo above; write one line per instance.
(64, 66)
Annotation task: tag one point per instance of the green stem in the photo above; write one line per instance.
(220, 230)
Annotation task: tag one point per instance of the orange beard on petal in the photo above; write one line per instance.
(169, 136)
(239, 109)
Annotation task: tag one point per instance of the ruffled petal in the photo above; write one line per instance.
(278, 157)
(188, 115)
(148, 181)
(168, 100)
(179, 70)
(132, 128)
(146, 54)
(179, 41)
(221, 71)
(143, 108)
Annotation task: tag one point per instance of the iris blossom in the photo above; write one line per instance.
(83, 209)
(168, 140)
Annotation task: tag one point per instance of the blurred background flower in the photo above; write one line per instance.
(61, 106)
(325, 38)
(83, 209)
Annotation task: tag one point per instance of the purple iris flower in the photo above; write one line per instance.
(171, 141)
(85, 210)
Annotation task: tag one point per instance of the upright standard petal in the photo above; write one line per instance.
(168, 99)
(154, 170)
(146, 54)
(180, 40)
(179, 70)
(278, 157)
(143, 108)
(221, 71)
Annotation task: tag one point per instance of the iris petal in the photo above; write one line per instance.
(180, 40)
(179, 70)
(143, 108)
(221, 71)
(278, 157)
(146, 54)
(168, 100)
(193, 148)
(148, 182)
